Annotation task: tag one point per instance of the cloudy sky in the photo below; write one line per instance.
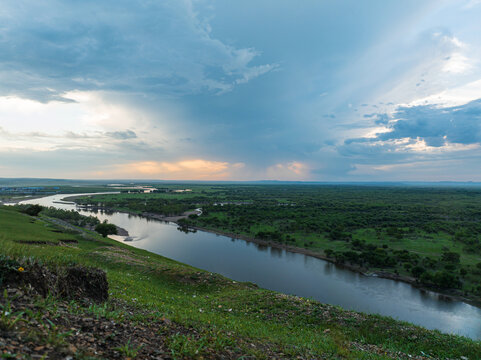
(341, 90)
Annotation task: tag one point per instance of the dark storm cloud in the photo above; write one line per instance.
(54, 46)
(436, 125)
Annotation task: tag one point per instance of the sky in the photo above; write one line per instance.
(310, 90)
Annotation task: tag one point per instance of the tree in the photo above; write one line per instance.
(446, 280)
(106, 229)
(417, 271)
(33, 210)
(450, 257)
(328, 252)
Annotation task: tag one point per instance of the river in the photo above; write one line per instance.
(292, 273)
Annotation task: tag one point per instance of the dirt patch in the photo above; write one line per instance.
(42, 242)
(68, 241)
(73, 282)
(36, 242)
(121, 231)
(120, 255)
(83, 282)
(114, 334)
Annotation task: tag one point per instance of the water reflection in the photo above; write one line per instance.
(261, 247)
(294, 273)
(276, 252)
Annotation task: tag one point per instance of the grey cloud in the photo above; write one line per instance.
(382, 119)
(122, 135)
(436, 126)
(158, 47)
(118, 135)
(357, 140)
(73, 135)
(458, 124)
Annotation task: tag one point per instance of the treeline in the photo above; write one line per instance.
(446, 272)
(336, 212)
(167, 207)
(71, 216)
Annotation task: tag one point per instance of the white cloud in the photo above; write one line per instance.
(471, 3)
(254, 72)
(92, 120)
(455, 96)
(457, 64)
(293, 170)
(432, 63)
(187, 169)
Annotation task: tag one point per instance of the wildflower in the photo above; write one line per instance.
(21, 269)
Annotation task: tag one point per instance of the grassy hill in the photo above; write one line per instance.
(159, 308)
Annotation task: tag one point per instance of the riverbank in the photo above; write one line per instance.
(160, 305)
(174, 219)
(16, 200)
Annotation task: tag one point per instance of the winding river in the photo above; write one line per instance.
(292, 273)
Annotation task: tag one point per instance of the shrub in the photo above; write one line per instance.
(446, 280)
(106, 229)
(451, 257)
(33, 210)
(417, 271)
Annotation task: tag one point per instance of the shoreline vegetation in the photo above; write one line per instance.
(432, 234)
(97, 297)
(382, 274)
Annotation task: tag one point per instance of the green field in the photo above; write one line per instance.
(221, 318)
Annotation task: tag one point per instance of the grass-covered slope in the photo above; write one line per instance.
(159, 308)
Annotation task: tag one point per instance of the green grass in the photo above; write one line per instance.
(222, 310)
(27, 229)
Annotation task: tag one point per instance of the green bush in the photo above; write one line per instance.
(106, 229)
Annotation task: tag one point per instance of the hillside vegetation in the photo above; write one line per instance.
(159, 308)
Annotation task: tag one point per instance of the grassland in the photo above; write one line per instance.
(187, 312)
